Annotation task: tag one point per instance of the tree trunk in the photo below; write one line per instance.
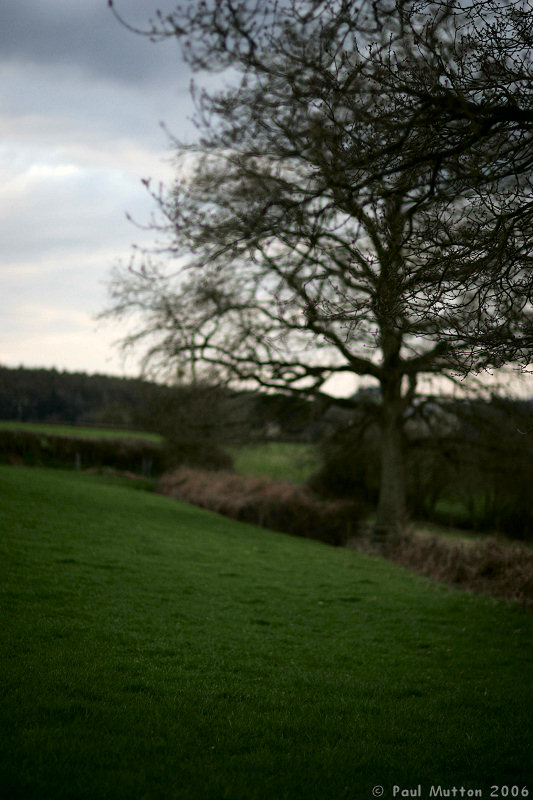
(391, 510)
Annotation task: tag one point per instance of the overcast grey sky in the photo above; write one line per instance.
(81, 101)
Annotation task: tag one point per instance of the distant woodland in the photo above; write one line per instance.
(47, 395)
(76, 398)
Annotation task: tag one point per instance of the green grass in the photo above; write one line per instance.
(77, 431)
(153, 650)
(286, 461)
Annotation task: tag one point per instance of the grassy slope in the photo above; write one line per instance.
(74, 430)
(153, 650)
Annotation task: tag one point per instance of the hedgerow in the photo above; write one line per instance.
(38, 449)
(497, 568)
(285, 507)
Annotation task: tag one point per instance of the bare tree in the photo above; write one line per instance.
(359, 201)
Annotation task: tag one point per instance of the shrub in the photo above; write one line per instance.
(489, 566)
(284, 507)
(198, 455)
(468, 466)
(350, 465)
(198, 419)
(135, 455)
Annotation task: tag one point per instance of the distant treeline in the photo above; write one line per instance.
(47, 395)
(76, 398)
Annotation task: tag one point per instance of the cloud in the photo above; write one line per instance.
(81, 99)
(48, 314)
(78, 348)
(70, 106)
(85, 36)
(52, 209)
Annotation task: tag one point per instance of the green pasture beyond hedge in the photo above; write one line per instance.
(286, 461)
(78, 431)
(150, 649)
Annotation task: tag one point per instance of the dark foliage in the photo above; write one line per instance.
(487, 460)
(350, 463)
(46, 395)
(132, 455)
(200, 455)
(196, 422)
(39, 449)
(467, 464)
(285, 417)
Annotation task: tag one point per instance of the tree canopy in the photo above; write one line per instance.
(358, 201)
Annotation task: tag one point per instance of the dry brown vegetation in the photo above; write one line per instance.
(285, 507)
(498, 568)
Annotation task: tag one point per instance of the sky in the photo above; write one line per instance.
(81, 105)
(82, 100)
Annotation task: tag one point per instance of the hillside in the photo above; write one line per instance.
(153, 650)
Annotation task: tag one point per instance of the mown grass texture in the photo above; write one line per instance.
(153, 650)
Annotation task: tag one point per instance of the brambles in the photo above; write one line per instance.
(489, 566)
(284, 507)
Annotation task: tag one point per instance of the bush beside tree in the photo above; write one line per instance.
(467, 464)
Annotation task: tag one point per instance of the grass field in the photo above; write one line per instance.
(153, 650)
(75, 430)
(284, 461)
